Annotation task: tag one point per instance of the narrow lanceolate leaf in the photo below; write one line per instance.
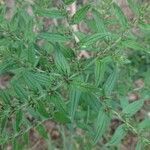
(100, 68)
(60, 61)
(91, 39)
(19, 118)
(5, 97)
(6, 65)
(3, 123)
(118, 135)
(74, 100)
(43, 79)
(20, 92)
(133, 45)
(51, 13)
(145, 124)
(59, 103)
(101, 125)
(31, 55)
(134, 6)
(99, 22)
(31, 81)
(67, 52)
(25, 138)
(110, 82)
(120, 16)
(99, 72)
(42, 131)
(133, 107)
(91, 101)
(54, 37)
(16, 144)
(67, 2)
(80, 14)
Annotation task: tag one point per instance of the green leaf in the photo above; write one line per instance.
(74, 100)
(145, 124)
(100, 69)
(67, 52)
(60, 61)
(20, 91)
(124, 102)
(16, 144)
(59, 102)
(6, 65)
(31, 55)
(91, 101)
(91, 39)
(133, 107)
(5, 97)
(31, 81)
(101, 125)
(80, 14)
(118, 135)
(3, 123)
(110, 82)
(43, 79)
(41, 108)
(25, 137)
(61, 117)
(121, 17)
(42, 131)
(19, 118)
(134, 45)
(68, 2)
(54, 37)
(99, 22)
(53, 13)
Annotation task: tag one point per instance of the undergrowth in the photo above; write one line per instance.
(40, 51)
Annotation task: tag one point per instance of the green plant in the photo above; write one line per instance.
(50, 82)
